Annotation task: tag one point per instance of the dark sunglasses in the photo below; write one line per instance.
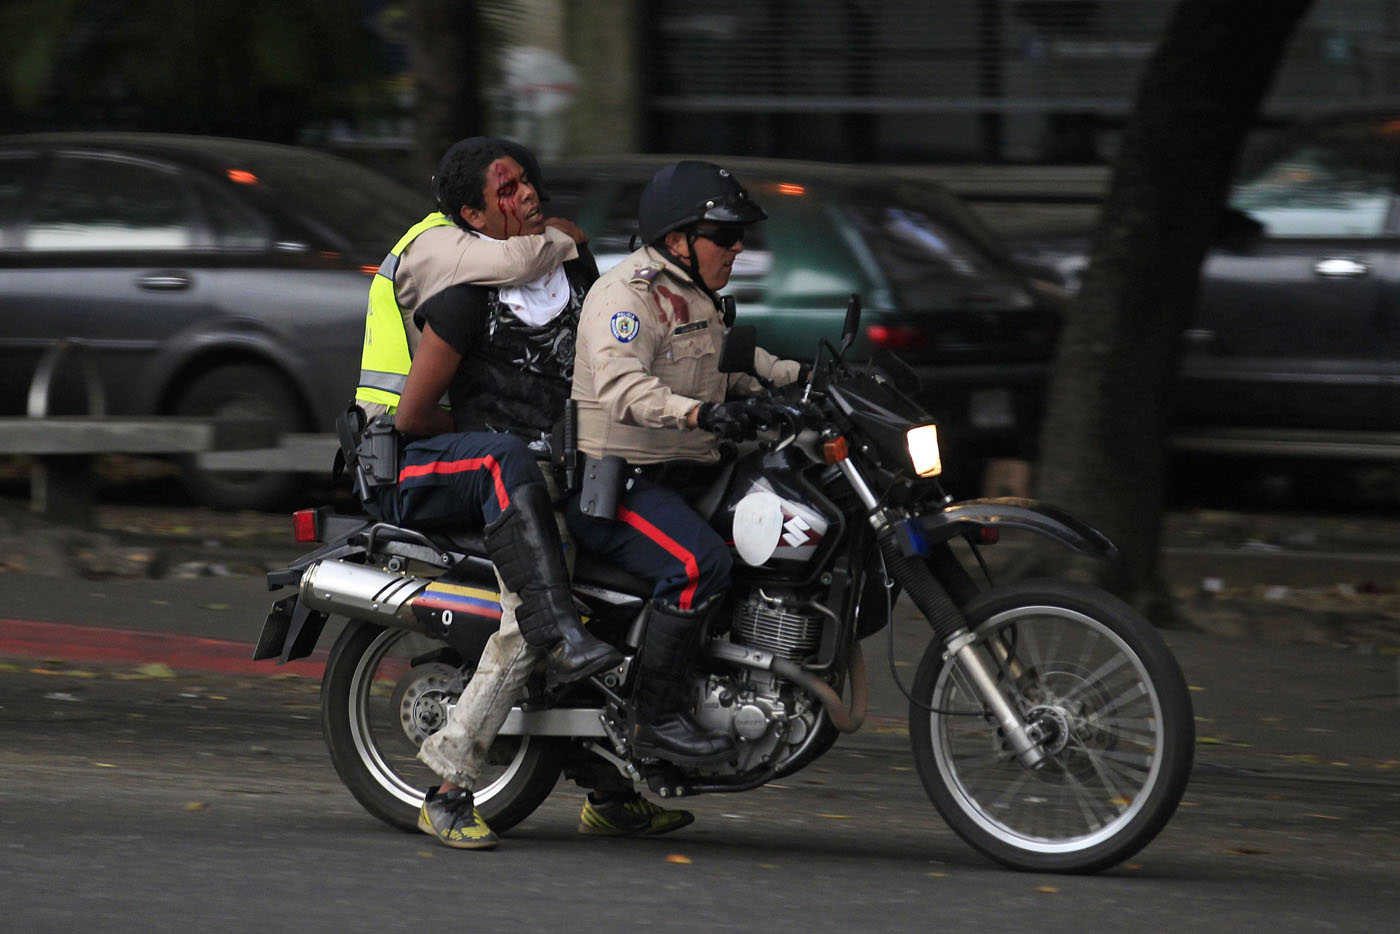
(724, 237)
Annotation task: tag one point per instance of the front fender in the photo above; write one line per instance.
(1014, 512)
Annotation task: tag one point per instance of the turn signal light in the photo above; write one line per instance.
(304, 526)
(835, 450)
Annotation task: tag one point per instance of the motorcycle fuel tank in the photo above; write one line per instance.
(772, 521)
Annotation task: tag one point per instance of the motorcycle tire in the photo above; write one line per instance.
(377, 705)
(1098, 678)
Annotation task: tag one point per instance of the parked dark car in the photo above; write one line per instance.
(205, 275)
(938, 287)
(1295, 345)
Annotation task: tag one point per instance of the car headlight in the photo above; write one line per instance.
(923, 450)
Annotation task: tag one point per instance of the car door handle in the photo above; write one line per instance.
(1340, 267)
(164, 281)
(1198, 335)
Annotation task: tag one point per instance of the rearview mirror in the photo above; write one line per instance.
(736, 356)
(851, 328)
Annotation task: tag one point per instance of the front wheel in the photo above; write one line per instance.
(1098, 686)
(387, 690)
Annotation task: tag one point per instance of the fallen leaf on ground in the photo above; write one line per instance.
(678, 858)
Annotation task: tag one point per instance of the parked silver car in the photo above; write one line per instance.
(204, 275)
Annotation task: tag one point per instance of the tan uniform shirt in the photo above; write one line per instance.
(445, 256)
(648, 352)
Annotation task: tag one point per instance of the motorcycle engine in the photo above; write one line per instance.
(783, 626)
(768, 716)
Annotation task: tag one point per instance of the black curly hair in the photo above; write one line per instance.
(461, 175)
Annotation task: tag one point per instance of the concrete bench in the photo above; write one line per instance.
(65, 446)
(295, 453)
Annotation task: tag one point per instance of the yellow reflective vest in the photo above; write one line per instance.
(385, 359)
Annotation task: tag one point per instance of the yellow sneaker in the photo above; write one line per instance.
(625, 817)
(453, 818)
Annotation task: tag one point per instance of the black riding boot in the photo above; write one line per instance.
(664, 728)
(524, 545)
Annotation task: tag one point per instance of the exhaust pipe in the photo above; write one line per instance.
(419, 604)
(359, 592)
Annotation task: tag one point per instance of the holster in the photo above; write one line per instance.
(601, 486)
(565, 457)
(371, 452)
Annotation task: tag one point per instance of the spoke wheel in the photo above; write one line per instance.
(1105, 700)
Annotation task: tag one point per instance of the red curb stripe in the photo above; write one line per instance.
(20, 638)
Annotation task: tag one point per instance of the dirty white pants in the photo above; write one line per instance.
(457, 752)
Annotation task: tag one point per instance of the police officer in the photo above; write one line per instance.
(649, 390)
(503, 357)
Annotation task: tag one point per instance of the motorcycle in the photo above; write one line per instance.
(1051, 726)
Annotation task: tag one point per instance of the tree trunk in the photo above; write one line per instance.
(1103, 447)
(445, 55)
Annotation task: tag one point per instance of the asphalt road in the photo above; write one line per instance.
(152, 778)
(205, 802)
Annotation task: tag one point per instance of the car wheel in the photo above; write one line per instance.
(246, 391)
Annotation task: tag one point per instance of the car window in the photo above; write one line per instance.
(234, 226)
(110, 204)
(13, 170)
(1338, 184)
(922, 253)
(349, 202)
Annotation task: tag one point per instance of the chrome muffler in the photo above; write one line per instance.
(417, 603)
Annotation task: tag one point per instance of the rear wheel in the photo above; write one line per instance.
(1105, 695)
(384, 692)
(241, 391)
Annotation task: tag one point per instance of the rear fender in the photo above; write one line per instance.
(917, 535)
(290, 631)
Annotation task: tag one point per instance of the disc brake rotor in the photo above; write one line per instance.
(424, 698)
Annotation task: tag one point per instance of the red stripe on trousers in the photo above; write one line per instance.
(471, 463)
(672, 547)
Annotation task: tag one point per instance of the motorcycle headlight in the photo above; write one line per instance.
(923, 450)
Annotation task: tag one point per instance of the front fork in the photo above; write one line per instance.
(1025, 739)
(949, 624)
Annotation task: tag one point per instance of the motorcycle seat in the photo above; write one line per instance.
(467, 540)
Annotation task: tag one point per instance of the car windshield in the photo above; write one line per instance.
(364, 208)
(927, 256)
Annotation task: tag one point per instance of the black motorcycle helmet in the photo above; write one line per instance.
(458, 180)
(690, 191)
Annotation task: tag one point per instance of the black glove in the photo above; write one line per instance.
(729, 420)
(737, 420)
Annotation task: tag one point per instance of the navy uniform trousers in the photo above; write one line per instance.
(658, 537)
(457, 479)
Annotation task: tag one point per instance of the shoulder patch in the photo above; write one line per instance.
(646, 275)
(625, 326)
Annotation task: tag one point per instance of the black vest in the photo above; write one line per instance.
(518, 378)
